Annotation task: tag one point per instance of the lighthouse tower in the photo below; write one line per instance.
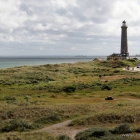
(124, 45)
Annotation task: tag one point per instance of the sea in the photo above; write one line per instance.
(12, 61)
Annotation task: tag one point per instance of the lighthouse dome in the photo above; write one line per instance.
(124, 24)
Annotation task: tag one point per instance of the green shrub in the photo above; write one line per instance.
(82, 86)
(92, 134)
(15, 125)
(122, 129)
(69, 89)
(64, 137)
(9, 98)
(48, 119)
(137, 130)
(106, 87)
(102, 118)
(34, 82)
(131, 60)
(116, 71)
(112, 137)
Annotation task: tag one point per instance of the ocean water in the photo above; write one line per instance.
(7, 62)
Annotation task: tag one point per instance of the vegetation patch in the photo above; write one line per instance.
(49, 94)
(50, 119)
(92, 133)
(106, 87)
(121, 129)
(9, 98)
(118, 133)
(17, 125)
(63, 137)
(103, 118)
(27, 136)
(69, 89)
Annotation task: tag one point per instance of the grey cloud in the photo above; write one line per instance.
(25, 8)
(49, 24)
(96, 11)
(99, 19)
(61, 11)
(3, 30)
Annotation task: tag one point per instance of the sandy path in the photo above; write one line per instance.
(63, 129)
(133, 99)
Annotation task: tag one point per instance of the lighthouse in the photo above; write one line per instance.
(124, 45)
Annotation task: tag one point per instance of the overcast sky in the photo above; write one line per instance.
(67, 27)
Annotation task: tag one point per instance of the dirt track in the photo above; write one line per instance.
(63, 128)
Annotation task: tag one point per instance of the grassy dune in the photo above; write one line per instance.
(38, 96)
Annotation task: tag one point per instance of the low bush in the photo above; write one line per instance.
(82, 86)
(105, 134)
(69, 89)
(48, 119)
(63, 137)
(92, 134)
(106, 87)
(15, 125)
(135, 58)
(9, 98)
(132, 60)
(94, 86)
(116, 71)
(137, 130)
(122, 129)
(103, 118)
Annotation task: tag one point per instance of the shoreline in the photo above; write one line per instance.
(8, 62)
(14, 61)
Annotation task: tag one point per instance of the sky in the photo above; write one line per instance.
(67, 27)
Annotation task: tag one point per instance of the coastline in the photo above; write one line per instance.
(18, 61)
(11, 61)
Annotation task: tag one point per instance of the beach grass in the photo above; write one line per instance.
(33, 97)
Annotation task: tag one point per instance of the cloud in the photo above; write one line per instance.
(64, 27)
(73, 48)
